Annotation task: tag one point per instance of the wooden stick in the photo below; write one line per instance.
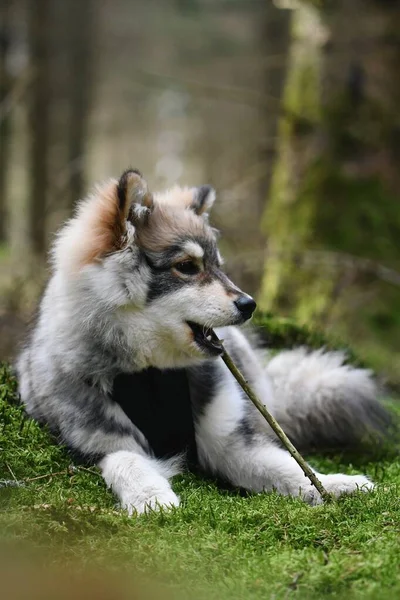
(308, 472)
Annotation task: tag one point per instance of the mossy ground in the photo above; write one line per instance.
(220, 542)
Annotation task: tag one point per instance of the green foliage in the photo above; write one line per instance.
(282, 333)
(221, 542)
(359, 216)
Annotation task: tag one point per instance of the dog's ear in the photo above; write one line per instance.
(203, 199)
(135, 200)
(100, 224)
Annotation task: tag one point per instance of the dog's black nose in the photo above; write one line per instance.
(246, 305)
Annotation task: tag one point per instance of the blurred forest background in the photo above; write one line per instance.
(290, 108)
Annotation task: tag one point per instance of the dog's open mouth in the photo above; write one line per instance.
(205, 338)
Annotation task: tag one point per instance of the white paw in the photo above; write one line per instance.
(345, 484)
(137, 482)
(336, 485)
(309, 494)
(137, 504)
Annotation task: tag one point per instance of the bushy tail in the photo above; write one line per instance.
(323, 403)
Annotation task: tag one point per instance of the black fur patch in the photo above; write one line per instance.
(246, 431)
(81, 458)
(200, 198)
(163, 282)
(203, 385)
(158, 403)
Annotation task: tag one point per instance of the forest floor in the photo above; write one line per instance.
(219, 544)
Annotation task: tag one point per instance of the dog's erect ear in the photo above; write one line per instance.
(203, 199)
(133, 195)
(100, 224)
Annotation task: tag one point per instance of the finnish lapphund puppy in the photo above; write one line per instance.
(121, 367)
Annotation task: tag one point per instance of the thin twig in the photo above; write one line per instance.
(11, 471)
(29, 479)
(308, 472)
(88, 471)
(71, 469)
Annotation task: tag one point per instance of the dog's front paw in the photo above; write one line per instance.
(345, 484)
(137, 504)
(309, 494)
(164, 500)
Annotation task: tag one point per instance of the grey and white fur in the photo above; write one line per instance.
(136, 283)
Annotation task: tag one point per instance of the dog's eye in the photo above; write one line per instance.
(187, 267)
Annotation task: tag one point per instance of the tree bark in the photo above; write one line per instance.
(247, 202)
(275, 45)
(81, 27)
(5, 124)
(38, 119)
(288, 217)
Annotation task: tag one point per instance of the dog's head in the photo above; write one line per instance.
(152, 262)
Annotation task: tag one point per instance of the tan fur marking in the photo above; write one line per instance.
(137, 191)
(176, 197)
(167, 223)
(105, 225)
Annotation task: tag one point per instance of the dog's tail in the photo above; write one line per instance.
(321, 402)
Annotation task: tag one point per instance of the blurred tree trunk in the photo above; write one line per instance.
(39, 103)
(81, 28)
(336, 179)
(61, 81)
(288, 218)
(5, 88)
(248, 241)
(275, 44)
(71, 79)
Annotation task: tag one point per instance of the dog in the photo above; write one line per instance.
(122, 367)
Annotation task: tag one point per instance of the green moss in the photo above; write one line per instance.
(220, 542)
(359, 216)
(282, 333)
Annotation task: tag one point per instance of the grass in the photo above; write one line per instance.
(220, 542)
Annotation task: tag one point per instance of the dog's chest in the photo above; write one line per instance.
(159, 404)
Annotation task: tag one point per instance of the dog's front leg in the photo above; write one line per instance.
(140, 482)
(96, 429)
